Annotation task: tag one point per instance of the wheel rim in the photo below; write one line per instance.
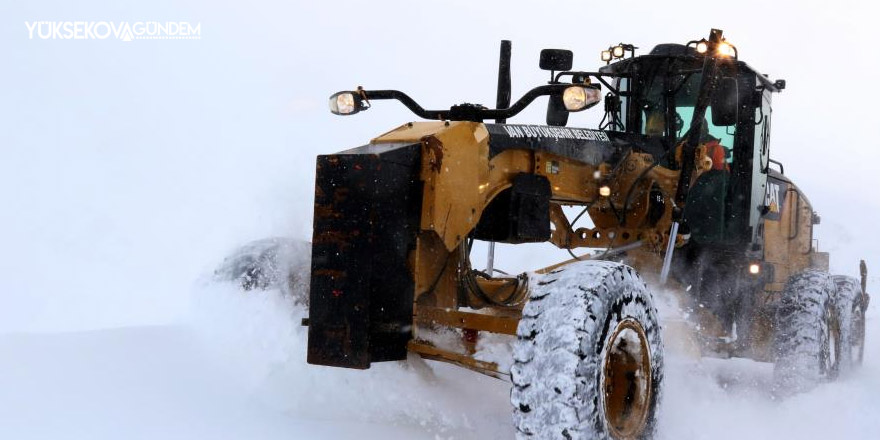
(626, 380)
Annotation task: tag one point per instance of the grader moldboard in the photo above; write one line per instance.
(678, 183)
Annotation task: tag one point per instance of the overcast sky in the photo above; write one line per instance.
(128, 168)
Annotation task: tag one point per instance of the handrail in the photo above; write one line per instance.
(466, 112)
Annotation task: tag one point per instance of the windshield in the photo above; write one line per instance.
(667, 100)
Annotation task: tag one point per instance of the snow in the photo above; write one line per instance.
(236, 369)
(497, 349)
(142, 383)
(731, 399)
(439, 401)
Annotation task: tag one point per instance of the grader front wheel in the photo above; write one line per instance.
(588, 359)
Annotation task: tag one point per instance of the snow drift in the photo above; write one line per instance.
(236, 369)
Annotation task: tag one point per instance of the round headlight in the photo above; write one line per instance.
(574, 98)
(344, 103)
(577, 98)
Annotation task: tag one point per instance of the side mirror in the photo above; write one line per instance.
(557, 60)
(725, 103)
(347, 103)
(557, 114)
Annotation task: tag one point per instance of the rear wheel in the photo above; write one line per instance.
(588, 359)
(808, 336)
(849, 302)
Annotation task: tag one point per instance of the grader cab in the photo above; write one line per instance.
(679, 189)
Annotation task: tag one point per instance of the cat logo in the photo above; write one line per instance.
(774, 199)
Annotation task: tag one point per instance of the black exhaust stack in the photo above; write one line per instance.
(503, 100)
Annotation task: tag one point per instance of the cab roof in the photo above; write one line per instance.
(674, 50)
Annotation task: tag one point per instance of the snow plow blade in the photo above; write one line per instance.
(367, 206)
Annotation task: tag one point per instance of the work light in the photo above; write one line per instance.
(726, 49)
(702, 46)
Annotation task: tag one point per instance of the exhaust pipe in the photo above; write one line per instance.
(503, 99)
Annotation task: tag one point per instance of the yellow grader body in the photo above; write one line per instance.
(692, 207)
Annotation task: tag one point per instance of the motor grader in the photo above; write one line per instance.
(675, 187)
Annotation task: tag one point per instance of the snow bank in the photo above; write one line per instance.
(236, 369)
(260, 340)
(142, 383)
(731, 399)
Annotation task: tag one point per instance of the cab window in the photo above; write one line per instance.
(678, 92)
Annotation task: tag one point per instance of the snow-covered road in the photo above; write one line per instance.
(236, 370)
(141, 383)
